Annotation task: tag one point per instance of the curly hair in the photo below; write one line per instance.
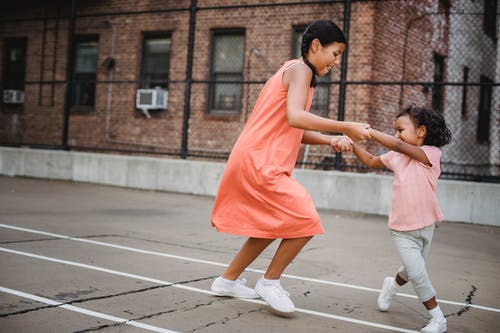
(326, 32)
(438, 134)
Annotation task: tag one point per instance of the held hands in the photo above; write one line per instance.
(341, 143)
(358, 131)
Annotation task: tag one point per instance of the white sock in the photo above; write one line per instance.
(436, 312)
(226, 281)
(268, 282)
(395, 285)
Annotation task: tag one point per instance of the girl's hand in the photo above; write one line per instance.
(358, 131)
(341, 143)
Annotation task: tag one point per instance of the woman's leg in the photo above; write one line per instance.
(287, 251)
(247, 254)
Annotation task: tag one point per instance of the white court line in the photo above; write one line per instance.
(295, 277)
(167, 283)
(85, 311)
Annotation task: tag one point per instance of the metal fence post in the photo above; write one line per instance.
(343, 75)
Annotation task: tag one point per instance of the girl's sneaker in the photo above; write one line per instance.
(274, 294)
(224, 287)
(389, 289)
(435, 325)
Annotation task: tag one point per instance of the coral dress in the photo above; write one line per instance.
(257, 196)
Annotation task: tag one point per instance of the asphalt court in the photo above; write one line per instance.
(87, 258)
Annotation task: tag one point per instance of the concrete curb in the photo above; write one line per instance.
(469, 202)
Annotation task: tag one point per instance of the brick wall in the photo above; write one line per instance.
(376, 49)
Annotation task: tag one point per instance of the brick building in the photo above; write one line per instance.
(81, 63)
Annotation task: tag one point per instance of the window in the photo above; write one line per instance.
(84, 74)
(322, 91)
(464, 92)
(483, 120)
(438, 88)
(490, 18)
(155, 61)
(14, 64)
(444, 6)
(227, 67)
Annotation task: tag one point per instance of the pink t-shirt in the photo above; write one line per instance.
(414, 190)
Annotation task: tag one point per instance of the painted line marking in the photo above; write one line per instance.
(294, 277)
(85, 311)
(199, 290)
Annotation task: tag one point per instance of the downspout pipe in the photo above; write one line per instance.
(189, 80)
(69, 74)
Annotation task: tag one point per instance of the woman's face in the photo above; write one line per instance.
(327, 57)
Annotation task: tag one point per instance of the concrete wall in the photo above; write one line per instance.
(460, 201)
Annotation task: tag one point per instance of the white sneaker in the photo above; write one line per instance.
(224, 287)
(435, 325)
(275, 296)
(388, 291)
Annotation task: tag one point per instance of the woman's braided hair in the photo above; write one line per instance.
(326, 32)
(438, 134)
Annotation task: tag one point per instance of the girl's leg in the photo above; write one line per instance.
(431, 304)
(399, 280)
(247, 254)
(269, 287)
(287, 251)
(413, 247)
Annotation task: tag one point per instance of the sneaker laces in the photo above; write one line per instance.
(241, 281)
(436, 320)
(278, 289)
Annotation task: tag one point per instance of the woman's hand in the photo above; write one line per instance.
(341, 143)
(357, 131)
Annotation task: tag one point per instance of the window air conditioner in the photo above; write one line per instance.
(151, 99)
(11, 96)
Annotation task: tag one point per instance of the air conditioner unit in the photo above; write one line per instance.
(151, 99)
(11, 96)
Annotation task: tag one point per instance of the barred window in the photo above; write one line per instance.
(84, 74)
(226, 71)
(438, 89)
(14, 64)
(155, 60)
(483, 120)
(321, 96)
(464, 92)
(490, 18)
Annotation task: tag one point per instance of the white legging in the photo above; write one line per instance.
(413, 247)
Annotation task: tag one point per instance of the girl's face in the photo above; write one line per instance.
(324, 58)
(407, 132)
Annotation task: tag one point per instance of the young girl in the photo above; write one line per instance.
(415, 160)
(257, 197)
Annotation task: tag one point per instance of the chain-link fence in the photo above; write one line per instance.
(87, 69)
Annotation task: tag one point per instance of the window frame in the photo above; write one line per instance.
(438, 80)
(484, 111)
(212, 112)
(147, 36)
(9, 44)
(466, 71)
(490, 18)
(76, 77)
(323, 82)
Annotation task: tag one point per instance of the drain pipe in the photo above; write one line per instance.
(189, 80)
(69, 74)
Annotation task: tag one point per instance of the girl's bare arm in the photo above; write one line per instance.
(297, 80)
(400, 146)
(366, 158)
